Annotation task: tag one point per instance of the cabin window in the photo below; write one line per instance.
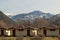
(35, 32)
(8, 32)
(20, 29)
(52, 29)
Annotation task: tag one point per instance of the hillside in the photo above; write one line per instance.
(6, 19)
(55, 19)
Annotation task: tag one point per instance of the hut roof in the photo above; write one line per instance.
(52, 27)
(19, 26)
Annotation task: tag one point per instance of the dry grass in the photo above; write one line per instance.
(50, 38)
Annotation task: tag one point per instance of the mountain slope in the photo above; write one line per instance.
(6, 19)
(55, 19)
(32, 15)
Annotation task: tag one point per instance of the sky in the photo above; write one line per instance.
(13, 7)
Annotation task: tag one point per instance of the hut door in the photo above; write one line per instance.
(13, 32)
(2, 32)
(44, 31)
(28, 32)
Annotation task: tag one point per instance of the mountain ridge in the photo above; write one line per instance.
(31, 15)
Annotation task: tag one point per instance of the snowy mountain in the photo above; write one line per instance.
(31, 15)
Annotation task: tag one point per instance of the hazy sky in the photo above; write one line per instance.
(12, 7)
